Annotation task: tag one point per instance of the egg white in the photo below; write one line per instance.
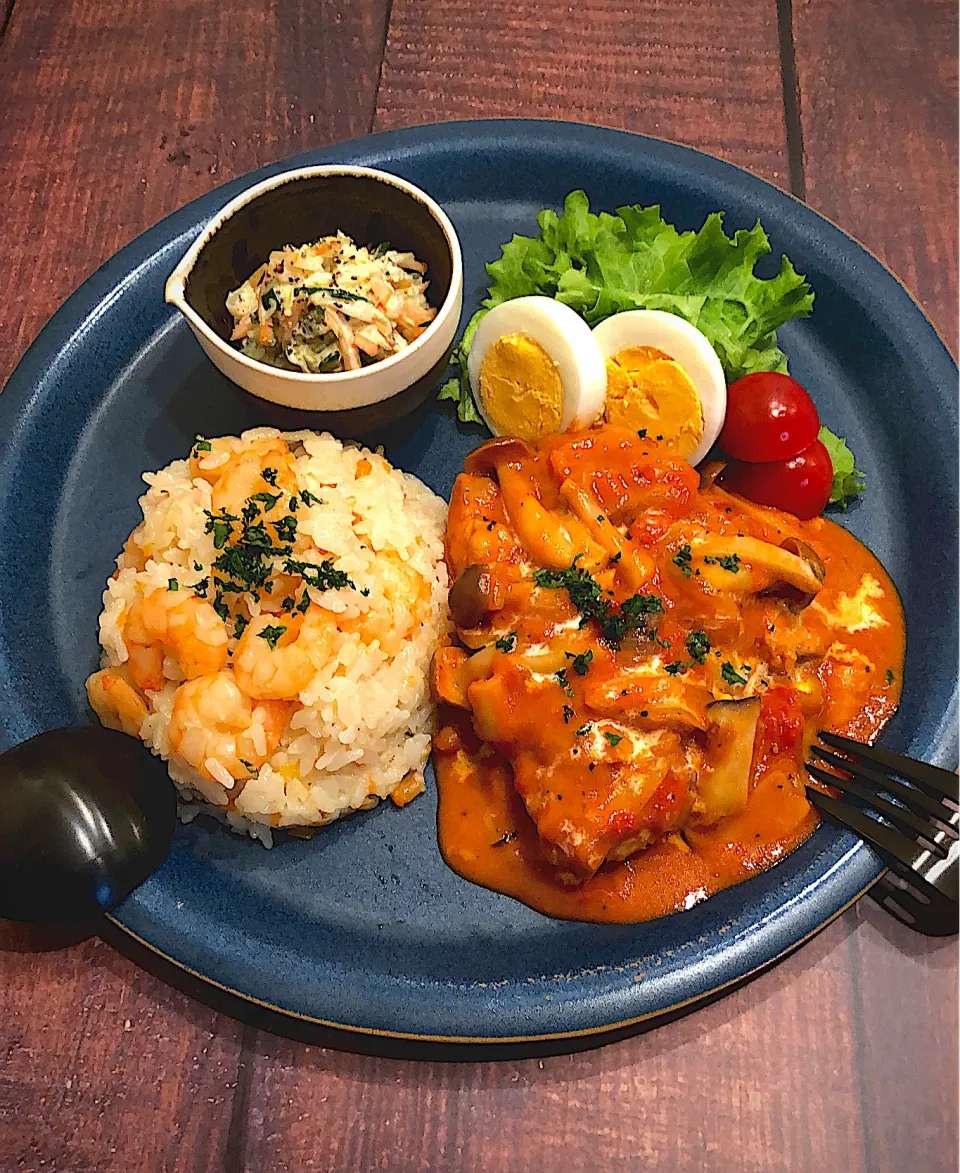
(686, 346)
(565, 336)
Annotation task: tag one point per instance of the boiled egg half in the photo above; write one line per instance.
(535, 367)
(663, 375)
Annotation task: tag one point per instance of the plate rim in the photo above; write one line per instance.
(93, 297)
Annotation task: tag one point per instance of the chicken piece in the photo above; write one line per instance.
(603, 807)
(589, 788)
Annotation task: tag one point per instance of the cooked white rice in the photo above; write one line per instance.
(364, 722)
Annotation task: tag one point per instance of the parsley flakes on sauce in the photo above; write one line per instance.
(682, 559)
(698, 646)
(729, 562)
(633, 615)
(731, 675)
(581, 662)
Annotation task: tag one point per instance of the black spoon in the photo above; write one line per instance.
(86, 814)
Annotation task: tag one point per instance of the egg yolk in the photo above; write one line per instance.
(647, 389)
(520, 388)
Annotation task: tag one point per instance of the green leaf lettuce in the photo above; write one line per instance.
(848, 480)
(602, 264)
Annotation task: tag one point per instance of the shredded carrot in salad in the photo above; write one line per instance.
(331, 306)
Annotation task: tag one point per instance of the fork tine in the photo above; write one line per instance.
(933, 779)
(906, 820)
(885, 839)
(916, 799)
(934, 914)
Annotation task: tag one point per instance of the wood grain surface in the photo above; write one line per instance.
(706, 74)
(118, 111)
(878, 106)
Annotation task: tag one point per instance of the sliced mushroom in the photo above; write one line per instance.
(709, 472)
(724, 785)
(542, 531)
(501, 449)
(648, 701)
(474, 595)
(796, 598)
(454, 671)
(636, 566)
(545, 659)
(780, 563)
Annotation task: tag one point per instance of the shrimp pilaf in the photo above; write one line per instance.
(269, 627)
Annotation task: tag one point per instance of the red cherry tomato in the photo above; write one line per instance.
(800, 485)
(769, 417)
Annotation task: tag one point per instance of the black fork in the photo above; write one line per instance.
(919, 837)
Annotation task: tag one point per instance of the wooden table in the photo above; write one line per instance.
(116, 112)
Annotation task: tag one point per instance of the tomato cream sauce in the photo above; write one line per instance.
(851, 686)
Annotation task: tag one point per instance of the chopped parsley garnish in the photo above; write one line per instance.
(200, 587)
(638, 607)
(257, 535)
(583, 729)
(270, 300)
(239, 624)
(698, 646)
(323, 577)
(580, 585)
(268, 499)
(270, 476)
(564, 682)
(581, 663)
(890, 676)
(201, 446)
(288, 604)
(682, 559)
(220, 524)
(221, 607)
(731, 675)
(613, 738)
(286, 529)
(304, 605)
(308, 498)
(616, 558)
(506, 643)
(677, 667)
(246, 565)
(172, 584)
(271, 633)
(567, 713)
(586, 595)
(250, 769)
(729, 562)
(642, 433)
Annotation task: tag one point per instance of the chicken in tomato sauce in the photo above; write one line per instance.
(640, 660)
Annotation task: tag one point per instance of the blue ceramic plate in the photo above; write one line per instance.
(364, 926)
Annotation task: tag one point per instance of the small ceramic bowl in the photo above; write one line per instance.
(296, 206)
